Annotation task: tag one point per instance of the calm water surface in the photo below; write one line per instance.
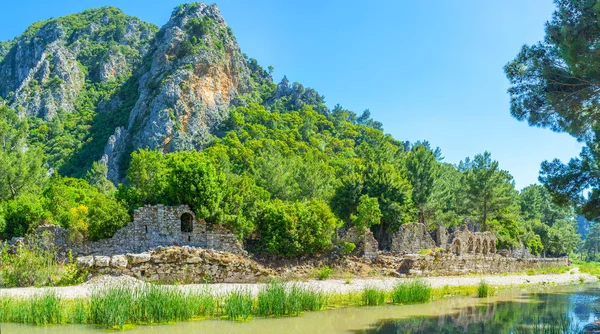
(506, 313)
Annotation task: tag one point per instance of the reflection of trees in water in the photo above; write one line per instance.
(502, 317)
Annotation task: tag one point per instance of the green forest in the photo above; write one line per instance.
(287, 171)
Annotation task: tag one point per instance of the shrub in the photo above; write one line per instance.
(292, 229)
(411, 292)
(324, 272)
(34, 265)
(483, 289)
(348, 247)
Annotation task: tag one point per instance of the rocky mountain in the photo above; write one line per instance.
(45, 70)
(100, 84)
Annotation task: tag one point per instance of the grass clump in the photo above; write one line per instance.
(411, 292)
(41, 309)
(275, 300)
(324, 273)
(483, 289)
(272, 300)
(238, 305)
(373, 297)
(306, 300)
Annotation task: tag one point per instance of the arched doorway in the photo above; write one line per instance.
(187, 223)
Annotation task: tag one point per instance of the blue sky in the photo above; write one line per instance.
(426, 69)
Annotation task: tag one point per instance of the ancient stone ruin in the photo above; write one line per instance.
(414, 237)
(467, 242)
(366, 244)
(179, 264)
(152, 226)
(411, 238)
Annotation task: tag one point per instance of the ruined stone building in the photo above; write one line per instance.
(413, 237)
(153, 226)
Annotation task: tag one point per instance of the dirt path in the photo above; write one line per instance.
(330, 286)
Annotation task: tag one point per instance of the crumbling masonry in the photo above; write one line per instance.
(153, 226)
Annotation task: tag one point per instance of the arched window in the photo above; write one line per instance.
(187, 223)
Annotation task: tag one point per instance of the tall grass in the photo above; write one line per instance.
(411, 292)
(306, 300)
(273, 301)
(373, 297)
(238, 305)
(117, 306)
(483, 289)
(276, 300)
(41, 309)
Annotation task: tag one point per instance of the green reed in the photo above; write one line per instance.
(411, 292)
(238, 305)
(373, 297)
(483, 289)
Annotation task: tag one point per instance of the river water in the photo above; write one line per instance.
(511, 311)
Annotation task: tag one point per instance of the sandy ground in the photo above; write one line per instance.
(330, 286)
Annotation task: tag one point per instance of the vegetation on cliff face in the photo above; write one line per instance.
(199, 123)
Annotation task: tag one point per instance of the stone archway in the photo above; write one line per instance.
(470, 245)
(457, 247)
(492, 246)
(187, 222)
(485, 247)
(477, 245)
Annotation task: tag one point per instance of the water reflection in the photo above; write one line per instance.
(572, 309)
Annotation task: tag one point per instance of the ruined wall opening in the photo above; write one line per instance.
(187, 223)
(485, 248)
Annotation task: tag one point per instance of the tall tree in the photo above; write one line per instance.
(421, 171)
(21, 167)
(556, 84)
(490, 190)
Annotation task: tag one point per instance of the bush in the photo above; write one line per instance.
(33, 265)
(348, 247)
(20, 216)
(292, 229)
(324, 273)
(411, 292)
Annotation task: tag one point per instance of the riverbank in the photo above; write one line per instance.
(120, 302)
(331, 286)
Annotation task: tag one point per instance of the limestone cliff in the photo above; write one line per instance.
(100, 84)
(45, 69)
(197, 68)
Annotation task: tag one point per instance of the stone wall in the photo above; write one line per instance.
(467, 242)
(152, 226)
(411, 238)
(179, 264)
(366, 244)
(445, 263)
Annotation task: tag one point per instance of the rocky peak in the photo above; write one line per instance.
(197, 69)
(45, 69)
